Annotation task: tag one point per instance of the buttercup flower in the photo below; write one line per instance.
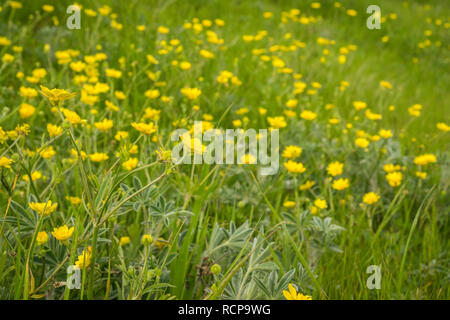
(63, 233)
(43, 208)
(293, 295)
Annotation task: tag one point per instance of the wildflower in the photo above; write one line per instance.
(43, 208)
(292, 103)
(63, 233)
(5, 162)
(292, 293)
(421, 175)
(335, 168)
(74, 200)
(113, 73)
(124, 240)
(47, 153)
(54, 130)
(391, 168)
(104, 125)
(443, 127)
(152, 93)
(320, 203)
(307, 185)
(146, 239)
(121, 135)
(56, 96)
(415, 110)
(72, 117)
(308, 115)
(130, 164)
(359, 105)
(385, 134)
(341, 184)
(248, 159)
(28, 93)
(386, 84)
(35, 175)
(425, 159)
(277, 122)
(144, 127)
(370, 198)
(294, 167)
(84, 260)
(98, 157)
(42, 238)
(394, 178)
(291, 152)
(191, 93)
(362, 142)
(289, 204)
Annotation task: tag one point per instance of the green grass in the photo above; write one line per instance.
(228, 214)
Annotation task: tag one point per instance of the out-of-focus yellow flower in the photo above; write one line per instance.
(130, 164)
(371, 198)
(191, 93)
(124, 240)
(394, 178)
(146, 239)
(277, 122)
(425, 159)
(5, 162)
(335, 168)
(340, 184)
(362, 142)
(98, 157)
(43, 208)
(291, 152)
(320, 203)
(294, 167)
(104, 125)
(144, 127)
(42, 238)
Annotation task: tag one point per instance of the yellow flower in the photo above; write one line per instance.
(104, 125)
(84, 260)
(443, 127)
(163, 30)
(35, 175)
(308, 115)
(5, 162)
(277, 122)
(307, 185)
(391, 168)
(42, 238)
(63, 233)
(248, 159)
(394, 178)
(130, 164)
(371, 198)
(43, 208)
(47, 153)
(98, 157)
(191, 93)
(320, 203)
(359, 105)
(294, 167)
(152, 93)
(54, 130)
(74, 200)
(291, 152)
(386, 84)
(72, 117)
(120, 135)
(56, 96)
(341, 184)
(146, 239)
(292, 293)
(124, 240)
(425, 159)
(362, 142)
(28, 93)
(385, 134)
(113, 73)
(288, 204)
(335, 168)
(144, 127)
(421, 175)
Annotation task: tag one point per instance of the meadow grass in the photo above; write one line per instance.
(146, 228)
